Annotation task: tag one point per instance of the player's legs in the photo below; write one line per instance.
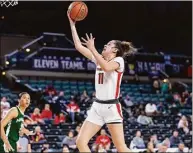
(90, 127)
(116, 131)
(87, 131)
(114, 120)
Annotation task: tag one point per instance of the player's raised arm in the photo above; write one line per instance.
(83, 50)
(117, 49)
(10, 115)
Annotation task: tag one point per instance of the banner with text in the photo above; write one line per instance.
(74, 62)
(62, 64)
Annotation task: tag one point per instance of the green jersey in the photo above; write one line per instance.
(13, 127)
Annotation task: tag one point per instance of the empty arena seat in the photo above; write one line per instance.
(65, 82)
(133, 85)
(141, 85)
(137, 94)
(36, 146)
(138, 100)
(73, 83)
(186, 111)
(5, 94)
(41, 81)
(80, 87)
(33, 81)
(73, 87)
(161, 100)
(53, 138)
(35, 86)
(81, 82)
(65, 87)
(88, 83)
(147, 99)
(67, 96)
(52, 131)
(89, 87)
(128, 89)
(13, 96)
(144, 95)
(4, 90)
(49, 82)
(90, 92)
(54, 145)
(57, 82)
(57, 87)
(155, 99)
(147, 86)
(42, 86)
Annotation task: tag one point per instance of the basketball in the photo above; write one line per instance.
(78, 11)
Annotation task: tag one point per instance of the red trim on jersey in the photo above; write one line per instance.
(118, 84)
(119, 109)
(102, 76)
(99, 79)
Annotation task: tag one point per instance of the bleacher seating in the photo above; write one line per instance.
(135, 91)
(55, 134)
(164, 125)
(11, 97)
(130, 89)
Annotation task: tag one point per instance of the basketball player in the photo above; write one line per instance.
(106, 109)
(12, 123)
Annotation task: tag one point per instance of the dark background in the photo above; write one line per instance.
(157, 26)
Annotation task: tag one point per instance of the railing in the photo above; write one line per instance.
(23, 47)
(49, 48)
(7, 56)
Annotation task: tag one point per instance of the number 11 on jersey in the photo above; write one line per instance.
(100, 79)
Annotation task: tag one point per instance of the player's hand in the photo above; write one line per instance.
(26, 131)
(89, 43)
(31, 133)
(70, 20)
(8, 147)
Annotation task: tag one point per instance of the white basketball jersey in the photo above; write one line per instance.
(107, 84)
(4, 113)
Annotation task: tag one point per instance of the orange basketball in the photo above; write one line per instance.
(78, 11)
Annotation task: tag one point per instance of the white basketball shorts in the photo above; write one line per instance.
(101, 114)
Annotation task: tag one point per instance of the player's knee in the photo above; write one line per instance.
(80, 142)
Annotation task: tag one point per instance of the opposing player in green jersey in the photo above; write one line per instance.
(12, 125)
